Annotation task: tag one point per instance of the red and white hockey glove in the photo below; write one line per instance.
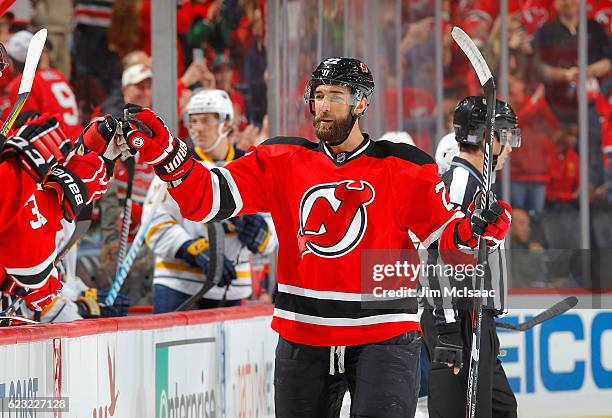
(492, 224)
(39, 145)
(83, 180)
(101, 136)
(169, 156)
(35, 296)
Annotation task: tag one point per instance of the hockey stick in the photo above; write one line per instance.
(25, 86)
(488, 84)
(127, 211)
(550, 313)
(130, 257)
(216, 241)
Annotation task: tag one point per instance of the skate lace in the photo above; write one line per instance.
(339, 351)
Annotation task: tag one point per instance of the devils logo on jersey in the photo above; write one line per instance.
(333, 217)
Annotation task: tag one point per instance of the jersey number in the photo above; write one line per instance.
(440, 188)
(65, 97)
(40, 220)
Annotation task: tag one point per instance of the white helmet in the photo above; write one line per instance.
(399, 137)
(213, 101)
(446, 150)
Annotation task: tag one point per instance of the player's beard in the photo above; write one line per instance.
(334, 133)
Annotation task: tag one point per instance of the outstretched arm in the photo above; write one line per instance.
(203, 195)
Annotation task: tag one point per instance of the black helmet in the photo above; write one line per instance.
(348, 72)
(470, 117)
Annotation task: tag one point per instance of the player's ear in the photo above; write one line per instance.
(361, 106)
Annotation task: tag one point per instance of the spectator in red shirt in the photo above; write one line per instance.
(538, 125)
(50, 92)
(564, 168)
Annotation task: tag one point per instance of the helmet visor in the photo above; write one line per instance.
(511, 137)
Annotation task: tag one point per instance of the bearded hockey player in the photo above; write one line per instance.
(448, 328)
(181, 246)
(330, 201)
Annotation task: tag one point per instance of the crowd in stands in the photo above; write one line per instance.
(98, 57)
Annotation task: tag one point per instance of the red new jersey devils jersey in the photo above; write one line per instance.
(328, 209)
(31, 219)
(51, 94)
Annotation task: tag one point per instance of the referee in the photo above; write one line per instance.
(447, 324)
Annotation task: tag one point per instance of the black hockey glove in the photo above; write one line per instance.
(449, 350)
(70, 189)
(39, 146)
(253, 232)
(195, 253)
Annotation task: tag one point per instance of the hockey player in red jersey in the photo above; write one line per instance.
(42, 186)
(328, 341)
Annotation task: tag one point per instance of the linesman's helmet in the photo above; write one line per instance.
(470, 117)
(349, 72)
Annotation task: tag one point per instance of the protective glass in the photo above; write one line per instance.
(511, 137)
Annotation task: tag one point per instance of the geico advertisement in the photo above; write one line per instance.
(187, 378)
(249, 368)
(563, 367)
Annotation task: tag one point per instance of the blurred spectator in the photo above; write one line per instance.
(562, 189)
(556, 52)
(529, 267)
(131, 27)
(136, 88)
(56, 17)
(223, 71)
(255, 74)
(529, 171)
(95, 69)
(481, 14)
(601, 12)
(50, 92)
(519, 48)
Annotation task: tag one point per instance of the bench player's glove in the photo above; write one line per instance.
(195, 253)
(36, 296)
(253, 232)
(39, 145)
(100, 137)
(492, 224)
(80, 182)
(449, 350)
(169, 156)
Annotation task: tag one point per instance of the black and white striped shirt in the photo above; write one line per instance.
(463, 181)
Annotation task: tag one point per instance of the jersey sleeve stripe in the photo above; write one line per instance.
(36, 280)
(226, 204)
(33, 270)
(216, 197)
(437, 233)
(233, 189)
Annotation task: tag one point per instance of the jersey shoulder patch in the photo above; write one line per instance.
(384, 149)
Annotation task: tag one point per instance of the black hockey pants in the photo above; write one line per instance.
(447, 393)
(382, 378)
